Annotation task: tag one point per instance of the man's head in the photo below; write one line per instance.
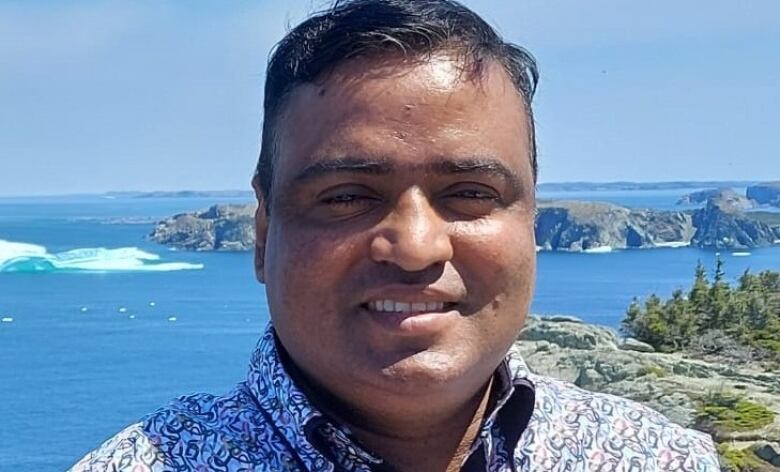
(396, 187)
(413, 29)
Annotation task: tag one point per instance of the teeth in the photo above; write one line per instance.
(404, 307)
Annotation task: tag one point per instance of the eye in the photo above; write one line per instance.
(471, 200)
(346, 201)
(475, 194)
(471, 191)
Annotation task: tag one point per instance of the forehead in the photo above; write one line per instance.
(403, 111)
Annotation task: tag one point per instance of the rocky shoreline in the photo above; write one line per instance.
(596, 358)
(219, 228)
(560, 226)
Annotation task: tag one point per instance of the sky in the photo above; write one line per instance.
(155, 95)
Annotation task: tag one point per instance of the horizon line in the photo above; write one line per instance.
(733, 182)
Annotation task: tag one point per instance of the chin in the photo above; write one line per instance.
(426, 371)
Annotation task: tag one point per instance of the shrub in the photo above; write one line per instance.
(726, 413)
(741, 460)
(740, 322)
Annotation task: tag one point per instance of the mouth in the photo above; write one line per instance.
(407, 317)
(407, 307)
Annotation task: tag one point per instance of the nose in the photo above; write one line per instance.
(412, 236)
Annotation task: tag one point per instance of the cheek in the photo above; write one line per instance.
(306, 267)
(501, 256)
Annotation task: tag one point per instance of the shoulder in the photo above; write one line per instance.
(603, 428)
(129, 449)
(189, 432)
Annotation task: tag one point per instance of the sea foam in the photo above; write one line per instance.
(25, 257)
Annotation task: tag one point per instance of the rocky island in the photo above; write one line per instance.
(725, 197)
(765, 194)
(761, 194)
(219, 228)
(560, 226)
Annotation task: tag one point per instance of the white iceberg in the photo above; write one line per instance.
(598, 250)
(24, 257)
(673, 244)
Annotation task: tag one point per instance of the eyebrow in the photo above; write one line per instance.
(352, 165)
(484, 166)
(357, 165)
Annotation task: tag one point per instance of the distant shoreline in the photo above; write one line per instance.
(543, 187)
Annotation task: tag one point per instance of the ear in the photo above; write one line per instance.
(261, 231)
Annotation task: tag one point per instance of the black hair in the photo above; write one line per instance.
(414, 28)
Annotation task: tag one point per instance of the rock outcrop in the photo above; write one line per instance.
(725, 198)
(560, 226)
(765, 193)
(592, 358)
(698, 197)
(721, 225)
(589, 226)
(219, 228)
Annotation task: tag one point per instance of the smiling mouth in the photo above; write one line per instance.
(407, 308)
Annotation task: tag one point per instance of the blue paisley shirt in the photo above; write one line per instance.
(267, 424)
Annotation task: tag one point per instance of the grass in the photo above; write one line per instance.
(741, 460)
(733, 413)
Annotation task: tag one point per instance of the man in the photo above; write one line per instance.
(395, 238)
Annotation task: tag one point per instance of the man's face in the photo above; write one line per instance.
(399, 255)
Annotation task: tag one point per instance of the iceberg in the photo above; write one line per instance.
(740, 254)
(598, 250)
(673, 244)
(24, 257)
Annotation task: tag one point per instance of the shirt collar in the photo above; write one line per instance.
(286, 406)
(510, 411)
(299, 421)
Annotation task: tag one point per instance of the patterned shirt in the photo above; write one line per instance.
(267, 423)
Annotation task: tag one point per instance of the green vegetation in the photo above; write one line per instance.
(724, 413)
(741, 322)
(741, 460)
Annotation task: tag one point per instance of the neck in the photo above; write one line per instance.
(436, 437)
(419, 434)
(439, 441)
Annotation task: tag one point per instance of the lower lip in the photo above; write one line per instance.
(414, 323)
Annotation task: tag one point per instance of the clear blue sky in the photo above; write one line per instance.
(99, 96)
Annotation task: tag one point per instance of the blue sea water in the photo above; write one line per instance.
(86, 351)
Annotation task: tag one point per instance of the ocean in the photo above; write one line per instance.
(92, 339)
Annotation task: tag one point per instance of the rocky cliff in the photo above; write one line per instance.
(700, 196)
(560, 226)
(765, 193)
(726, 198)
(219, 228)
(590, 226)
(722, 225)
(681, 388)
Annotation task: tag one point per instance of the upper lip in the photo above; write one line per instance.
(412, 294)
